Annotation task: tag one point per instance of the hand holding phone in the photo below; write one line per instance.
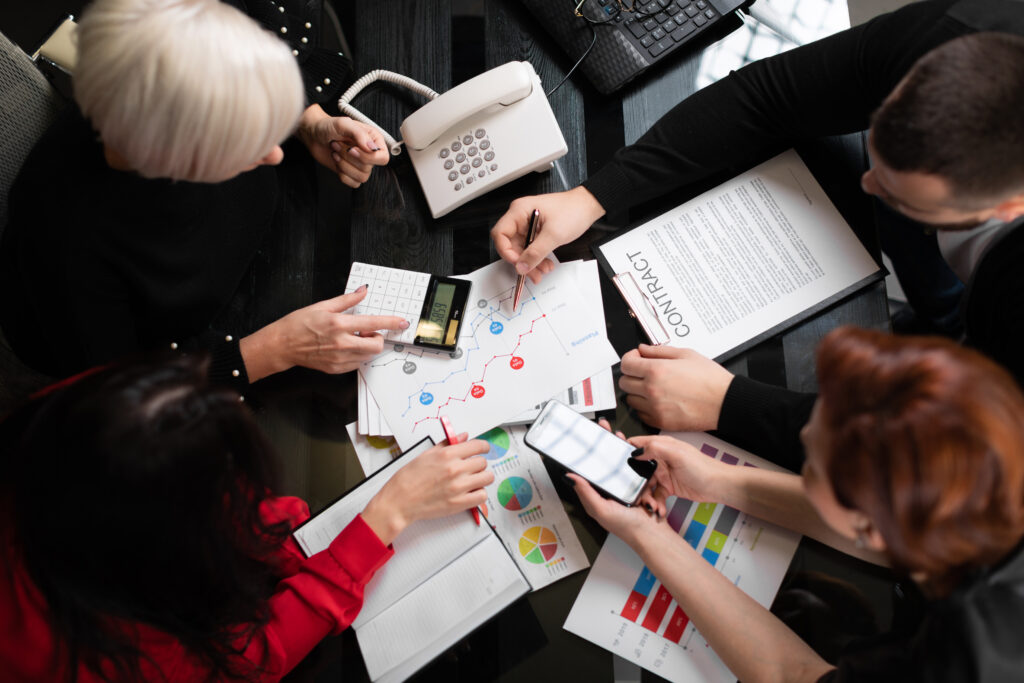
(583, 447)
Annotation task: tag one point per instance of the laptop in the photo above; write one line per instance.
(627, 42)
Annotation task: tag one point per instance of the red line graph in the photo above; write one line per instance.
(451, 398)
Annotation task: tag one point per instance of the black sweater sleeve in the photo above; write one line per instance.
(766, 420)
(325, 72)
(828, 87)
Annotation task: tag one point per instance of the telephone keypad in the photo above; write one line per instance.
(467, 156)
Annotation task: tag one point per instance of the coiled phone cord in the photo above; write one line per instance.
(390, 77)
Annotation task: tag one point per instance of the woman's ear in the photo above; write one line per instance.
(868, 535)
(273, 158)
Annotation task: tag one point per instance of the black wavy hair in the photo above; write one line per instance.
(133, 497)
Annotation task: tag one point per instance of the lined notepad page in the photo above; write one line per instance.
(421, 550)
(426, 622)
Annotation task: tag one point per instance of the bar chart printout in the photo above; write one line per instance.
(625, 609)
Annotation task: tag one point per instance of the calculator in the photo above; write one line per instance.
(434, 306)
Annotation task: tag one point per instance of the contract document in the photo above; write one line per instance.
(741, 262)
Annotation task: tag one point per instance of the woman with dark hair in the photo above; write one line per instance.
(142, 539)
(915, 453)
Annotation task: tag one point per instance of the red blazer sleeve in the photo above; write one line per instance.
(322, 598)
(288, 557)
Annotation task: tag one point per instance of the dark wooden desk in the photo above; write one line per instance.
(442, 43)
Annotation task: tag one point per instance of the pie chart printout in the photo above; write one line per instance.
(538, 545)
(515, 493)
(498, 439)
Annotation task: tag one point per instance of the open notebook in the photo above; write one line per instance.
(447, 577)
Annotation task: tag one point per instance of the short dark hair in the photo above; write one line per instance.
(134, 494)
(959, 114)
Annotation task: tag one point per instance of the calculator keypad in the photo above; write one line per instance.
(392, 292)
(470, 150)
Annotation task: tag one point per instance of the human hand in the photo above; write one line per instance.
(682, 471)
(675, 389)
(564, 216)
(615, 517)
(623, 521)
(347, 147)
(440, 482)
(321, 337)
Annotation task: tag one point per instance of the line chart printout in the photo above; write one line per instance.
(507, 361)
(625, 609)
(524, 508)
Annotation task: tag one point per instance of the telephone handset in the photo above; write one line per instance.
(479, 135)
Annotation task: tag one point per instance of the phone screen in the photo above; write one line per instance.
(587, 449)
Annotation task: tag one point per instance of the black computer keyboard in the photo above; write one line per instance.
(654, 27)
(626, 43)
(664, 22)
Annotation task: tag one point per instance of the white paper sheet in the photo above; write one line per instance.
(743, 258)
(623, 608)
(594, 393)
(440, 612)
(373, 452)
(524, 507)
(508, 361)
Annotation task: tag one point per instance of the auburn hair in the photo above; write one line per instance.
(927, 440)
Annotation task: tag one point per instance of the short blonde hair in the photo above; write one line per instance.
(185, 89)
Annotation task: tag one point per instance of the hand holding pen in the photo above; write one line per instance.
(454, 438)
(531, 234)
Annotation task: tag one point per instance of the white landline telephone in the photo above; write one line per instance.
(479, 135)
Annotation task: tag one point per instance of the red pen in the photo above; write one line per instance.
(449, 433)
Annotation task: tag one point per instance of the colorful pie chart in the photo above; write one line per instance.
(498, 439)
(538, 545)
(514, 493)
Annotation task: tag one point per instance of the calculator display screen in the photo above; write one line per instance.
(442, 312)
(437, 315)
(442, 304)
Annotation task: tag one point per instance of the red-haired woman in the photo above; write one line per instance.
(915, 452)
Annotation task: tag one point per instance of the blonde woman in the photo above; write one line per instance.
(137, 215)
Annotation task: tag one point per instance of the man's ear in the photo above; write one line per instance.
(1010, 209)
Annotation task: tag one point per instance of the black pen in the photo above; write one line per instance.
(531, 233)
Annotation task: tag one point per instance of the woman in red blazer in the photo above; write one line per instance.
(142, 538)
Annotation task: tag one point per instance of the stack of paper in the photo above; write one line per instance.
(508, 363)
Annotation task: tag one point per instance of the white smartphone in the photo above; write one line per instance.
(585, 448)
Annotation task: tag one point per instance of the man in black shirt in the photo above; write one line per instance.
(947, 147)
